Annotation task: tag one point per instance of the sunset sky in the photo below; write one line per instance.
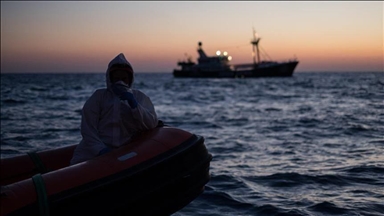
(62, 36)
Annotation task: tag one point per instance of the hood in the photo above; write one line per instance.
(120, 61)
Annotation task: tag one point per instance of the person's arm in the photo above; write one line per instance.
(89, 125)
(144, 113)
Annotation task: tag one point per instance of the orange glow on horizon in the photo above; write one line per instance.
(41, 37)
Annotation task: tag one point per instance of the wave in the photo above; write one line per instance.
(13, 102)
(306, 145)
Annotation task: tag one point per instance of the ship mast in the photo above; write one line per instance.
(255, 45)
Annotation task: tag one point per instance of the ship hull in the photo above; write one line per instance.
(203, 74)
(274, 70)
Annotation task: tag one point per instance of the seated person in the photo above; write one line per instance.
(113, 115)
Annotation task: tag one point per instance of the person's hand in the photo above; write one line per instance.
(128, 96)
(124, 95)
(104, 151)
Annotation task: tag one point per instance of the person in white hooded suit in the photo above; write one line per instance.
(113, 115)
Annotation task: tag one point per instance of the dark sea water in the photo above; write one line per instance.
(311, 144)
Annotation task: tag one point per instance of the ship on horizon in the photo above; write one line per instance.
(219, 66)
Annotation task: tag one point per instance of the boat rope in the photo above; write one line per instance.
(41, 192)
(264, 53)
(39, 165)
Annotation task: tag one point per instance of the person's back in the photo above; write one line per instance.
(111, 116)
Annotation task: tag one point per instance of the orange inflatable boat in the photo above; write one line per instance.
(158, 173)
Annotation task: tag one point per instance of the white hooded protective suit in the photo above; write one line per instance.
(108, 121)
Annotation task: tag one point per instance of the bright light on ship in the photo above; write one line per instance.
(225, 53)
(229, 58)
(218, 52)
